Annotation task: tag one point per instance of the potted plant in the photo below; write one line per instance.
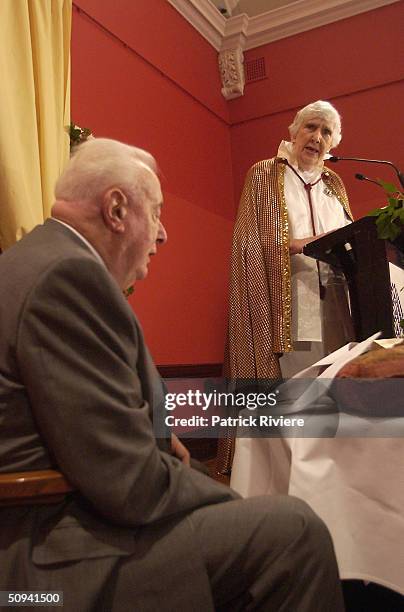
(78, 135)
(390, 218)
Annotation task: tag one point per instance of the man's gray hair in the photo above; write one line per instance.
(100, 164)
(321, 109)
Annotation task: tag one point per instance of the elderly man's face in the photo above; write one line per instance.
(311, 142)
(144, 230)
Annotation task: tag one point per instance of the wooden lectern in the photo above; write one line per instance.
(361, 255)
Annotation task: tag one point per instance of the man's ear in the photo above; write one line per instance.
(115, 209)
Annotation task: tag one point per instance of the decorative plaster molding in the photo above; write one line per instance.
(231, 36)
(235, 33)
(232, 72)
(299, 16)
(304, 15)
(204, 17)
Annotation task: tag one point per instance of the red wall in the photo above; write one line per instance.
(165, 97)
(142, 74)
(355, 63)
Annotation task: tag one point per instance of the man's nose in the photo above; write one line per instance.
(162, 234)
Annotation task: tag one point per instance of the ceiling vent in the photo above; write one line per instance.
(255, 70)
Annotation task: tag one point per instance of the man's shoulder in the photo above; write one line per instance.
(46, 248)
(45, 242)
(51, 264)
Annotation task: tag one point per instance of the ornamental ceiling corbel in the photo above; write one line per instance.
(231, 57)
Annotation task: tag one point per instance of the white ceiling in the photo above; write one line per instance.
(252, 8)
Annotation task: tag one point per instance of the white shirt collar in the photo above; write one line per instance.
(86, 242)
(286, 150)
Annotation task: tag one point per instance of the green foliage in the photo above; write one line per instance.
(390, 218)
(128, 291)
(78, 134)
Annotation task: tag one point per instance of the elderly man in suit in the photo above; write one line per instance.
(142, 529)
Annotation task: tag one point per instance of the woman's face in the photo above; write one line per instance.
(312, 141)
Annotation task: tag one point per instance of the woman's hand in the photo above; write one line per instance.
(296, 244)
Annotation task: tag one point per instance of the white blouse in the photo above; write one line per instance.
(328, 215)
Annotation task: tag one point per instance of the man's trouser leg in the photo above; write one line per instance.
(268, 553)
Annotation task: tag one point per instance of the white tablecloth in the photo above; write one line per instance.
(356, 485)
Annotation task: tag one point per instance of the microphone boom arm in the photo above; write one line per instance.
(400, 175)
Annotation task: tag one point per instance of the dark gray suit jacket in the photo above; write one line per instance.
(77, 386)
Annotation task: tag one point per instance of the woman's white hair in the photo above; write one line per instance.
(321, 109)
(100, 164)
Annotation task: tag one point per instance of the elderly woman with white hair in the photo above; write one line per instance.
(286, 310)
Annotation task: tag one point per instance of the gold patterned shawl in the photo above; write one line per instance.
(260, 289)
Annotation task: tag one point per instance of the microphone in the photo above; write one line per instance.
(362, 177)
(335, 158)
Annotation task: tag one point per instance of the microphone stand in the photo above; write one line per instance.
(362, 177)
(400, 175)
